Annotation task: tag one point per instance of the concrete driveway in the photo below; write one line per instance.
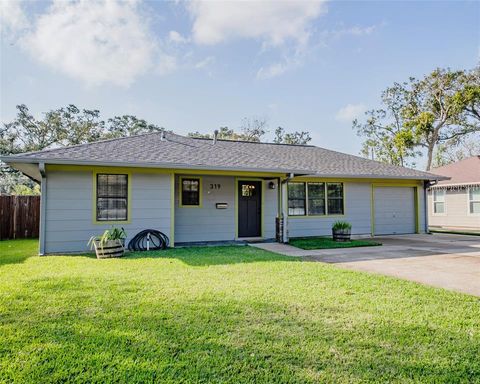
(440, 260)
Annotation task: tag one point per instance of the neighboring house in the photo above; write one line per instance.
(215, 190)
(455, 203)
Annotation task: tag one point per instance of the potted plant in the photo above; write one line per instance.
(341, 231)
(110, 244)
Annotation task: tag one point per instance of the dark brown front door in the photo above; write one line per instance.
(249, 208)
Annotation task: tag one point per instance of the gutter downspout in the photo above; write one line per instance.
(284, 207)
(43, 207)
(427, 184)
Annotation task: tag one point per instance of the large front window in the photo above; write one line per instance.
(296, 199)
(112, 197)
(315, 199)
(335, 198)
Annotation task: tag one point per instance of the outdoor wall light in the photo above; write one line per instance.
(271, 185)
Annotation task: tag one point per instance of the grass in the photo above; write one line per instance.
(327, 243)
(225, 315)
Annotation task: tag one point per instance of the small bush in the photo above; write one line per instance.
(339, 225)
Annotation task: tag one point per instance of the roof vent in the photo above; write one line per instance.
(215, 136)
(162, 135)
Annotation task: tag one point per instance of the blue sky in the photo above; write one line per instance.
(200, 65)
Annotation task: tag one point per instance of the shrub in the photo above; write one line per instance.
(109, 234)
(339, 225)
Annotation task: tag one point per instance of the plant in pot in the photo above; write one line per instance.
(341, 231)
(110, 244)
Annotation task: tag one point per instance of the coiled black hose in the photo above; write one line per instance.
(150, 239)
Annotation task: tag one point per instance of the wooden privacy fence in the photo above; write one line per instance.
(19, 217)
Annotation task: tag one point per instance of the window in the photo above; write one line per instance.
(190, 193)
(112, 197)
(296, 199)
(316, 198)
(474, 200)
(438, 201)
(248, 190)
(335, 198)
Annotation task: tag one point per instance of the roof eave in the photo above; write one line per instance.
(464, 183)
(298, 172)
(13, 159)
(372, 176)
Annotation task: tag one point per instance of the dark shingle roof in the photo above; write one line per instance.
(177, 151)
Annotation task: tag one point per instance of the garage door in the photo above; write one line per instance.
(394, 210)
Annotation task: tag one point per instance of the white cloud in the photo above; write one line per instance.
(167, 64)
(273, 70)
(355, 31)
(96, 42)
(350, 112)
(273, 22)
(12, 16)
(205, 63)
(177, 38)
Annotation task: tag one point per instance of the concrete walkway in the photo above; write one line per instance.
(441, 260)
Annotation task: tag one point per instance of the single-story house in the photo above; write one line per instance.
(455, 204)
(199, 190)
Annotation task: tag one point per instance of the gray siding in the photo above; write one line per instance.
(270, 206)
(207, 223)
(357, 212)
(456, 211)
(69, 208)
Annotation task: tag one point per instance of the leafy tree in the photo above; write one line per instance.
(456, 150)
(251, 129)
(60, 127)
(282, 137)
(224, 133)
(433, 114)
(468, 98)
(128, 125)
(421, 115)
(254, 129)
(385, 138)
(199, 135)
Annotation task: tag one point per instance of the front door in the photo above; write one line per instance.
(249, 208)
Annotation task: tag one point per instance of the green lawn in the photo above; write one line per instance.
(327, 243)
(225, 315)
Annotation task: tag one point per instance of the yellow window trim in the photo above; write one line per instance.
(326, 215)
(200, 191)
(129, 198)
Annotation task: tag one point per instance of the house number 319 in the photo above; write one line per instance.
(215, 186)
